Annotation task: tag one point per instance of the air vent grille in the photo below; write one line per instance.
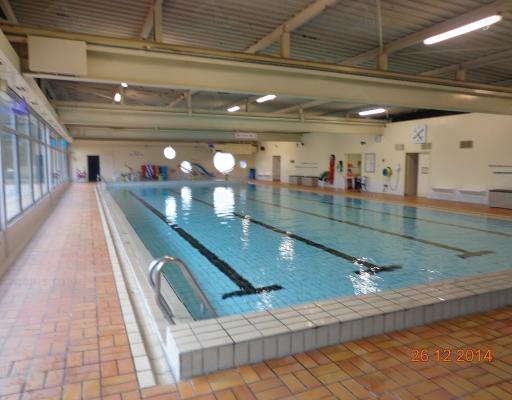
(399, 147)
(426, 146)
(466, 144)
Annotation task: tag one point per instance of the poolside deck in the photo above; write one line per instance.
(62, 335)
(455, 206)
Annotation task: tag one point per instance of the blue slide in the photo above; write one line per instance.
(203, 170)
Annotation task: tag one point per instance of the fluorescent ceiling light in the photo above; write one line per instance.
(117, 97)
(233, 109)
(268, 97)
(473, 26)
(372, 112)
(124, 84)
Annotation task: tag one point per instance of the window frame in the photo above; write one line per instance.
(39, 133)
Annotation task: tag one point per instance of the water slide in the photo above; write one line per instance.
(202, 169)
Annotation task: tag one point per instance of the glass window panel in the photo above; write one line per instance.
(53, 140)
(10, 173)
(6, 113)
(25, 176)
(66, 167)
(62, 167)
(55, 167)
(44, 184)
(37, 168)
(34, 126)
(21, 112)
(41, 131)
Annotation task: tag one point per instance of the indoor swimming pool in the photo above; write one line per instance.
(253, 247)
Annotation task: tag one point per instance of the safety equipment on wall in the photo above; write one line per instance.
(332, 164)
(387, 171)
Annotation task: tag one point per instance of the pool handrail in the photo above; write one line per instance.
(155, 280)
(101, 182)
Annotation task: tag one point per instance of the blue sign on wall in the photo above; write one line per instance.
(19, 107)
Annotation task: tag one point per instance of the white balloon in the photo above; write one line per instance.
(186, 167)
(224, 162)
(169, 153)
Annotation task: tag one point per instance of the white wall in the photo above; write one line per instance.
(117, 156)
(448, 165)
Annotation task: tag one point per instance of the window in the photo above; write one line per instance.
(37, 169)
(10, 175)
(6, 114)
(32, 156)
(25, 174)
(21, 119)
(44, 180)
(34, 127)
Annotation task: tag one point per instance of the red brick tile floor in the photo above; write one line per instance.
(62, 336)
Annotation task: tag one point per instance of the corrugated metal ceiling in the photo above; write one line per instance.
(347, 29)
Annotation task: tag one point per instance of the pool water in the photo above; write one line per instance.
(253, 247)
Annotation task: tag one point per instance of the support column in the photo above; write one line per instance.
(382, 62)
(285, 45)
(460, 75)
(157, 25)
(189, 102)
(301, 114)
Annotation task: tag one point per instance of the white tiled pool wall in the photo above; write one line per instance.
(202, 347)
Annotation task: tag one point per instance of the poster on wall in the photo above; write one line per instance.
(369, 162)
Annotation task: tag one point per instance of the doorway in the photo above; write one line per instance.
(411, 174)
(276, 168)
(93, 167)
(353, 170)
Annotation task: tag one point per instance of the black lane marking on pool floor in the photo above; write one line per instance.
(373, 271)
(246, 287)
(462, 253)
(320, 246)
(396, 215)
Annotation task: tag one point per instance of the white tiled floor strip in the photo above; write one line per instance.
(133, 265)
(142, 366)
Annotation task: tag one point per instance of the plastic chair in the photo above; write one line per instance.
(362, 182)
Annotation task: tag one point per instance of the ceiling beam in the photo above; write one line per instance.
(17, 33)
(458, 69)
(293, 23)
(296, 108)
(181, 135)
(156, 69)
(8, 11)
(473, 63)
(154, 13)
(417, 37)
(111, 60)
(120, 116)
(242, 103)
(146, 68)
(505, 82)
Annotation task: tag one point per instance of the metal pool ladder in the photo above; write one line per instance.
(155, 280)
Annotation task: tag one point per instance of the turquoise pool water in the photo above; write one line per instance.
(254, 247)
